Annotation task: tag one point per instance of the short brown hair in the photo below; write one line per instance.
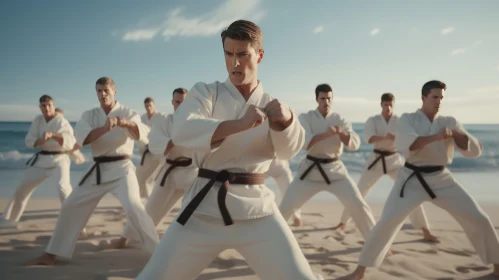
(179, 90)
(45, 97)
(322, 88)
(428, 86)
(244, 30)
(148, 100)
(106, 81)
(387, 97)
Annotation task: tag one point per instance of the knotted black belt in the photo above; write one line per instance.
(34, 158)
(96, 166)
(418, 170)
(226, 178)
(144, 155)
(317, 162)
(174, 164)
(382, 155)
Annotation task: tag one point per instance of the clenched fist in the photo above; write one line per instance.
(110, 123)
(122, 122)
(278, 113)
(445, 133)
(254, 116)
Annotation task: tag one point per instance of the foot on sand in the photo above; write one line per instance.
(118, 243)
(297, 222)
(45, 259)
(358, 274)
(429, 237)
(340, 226)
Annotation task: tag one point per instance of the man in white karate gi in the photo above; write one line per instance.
(380, 131)
(53, 135)
(427, 141)
(149, 162)
(175, 175)
(235, 130)
(326, 134)
(111, 130)
(280, 171)
(75, 154)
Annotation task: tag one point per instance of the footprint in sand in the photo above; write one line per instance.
(225, 263)
(328, 271)
(302, 236)
(466, 269)
(429, 251)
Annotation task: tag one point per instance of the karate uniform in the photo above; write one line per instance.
(107, 175)
(385, 160)
(149, 163)
(239, 216)
(441, 189)
(41, 166)
(331, 175)
(281, 173)
(172, 179)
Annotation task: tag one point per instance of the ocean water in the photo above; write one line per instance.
(14, 153)
(479, 176)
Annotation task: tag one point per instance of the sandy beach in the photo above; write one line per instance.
(332, 253)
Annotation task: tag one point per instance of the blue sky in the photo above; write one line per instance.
(361, 48)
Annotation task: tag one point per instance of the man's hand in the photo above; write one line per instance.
(110, 123)
(254, 116)
(445, 133)
(279, 115)
(332, 130)
(390, 136)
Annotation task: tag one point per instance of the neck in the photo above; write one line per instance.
(323, 112)
(428, 114)
(247, 89)
(49, 117)
(387, 116)
(108, 109)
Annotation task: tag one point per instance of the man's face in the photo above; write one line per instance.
(150, 108)
(387, 107)
(324, 100)
(432, 102)
(106, 94)
(241, 60)
(178, 98)
(47, 108)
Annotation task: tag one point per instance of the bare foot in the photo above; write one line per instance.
(45, 259)
(118, 243)
(297, 222)
(83, 234)
(340, 226)
(358, 274)
(496, 270)
(429, 237)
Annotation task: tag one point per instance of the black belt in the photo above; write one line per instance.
(34, 158)
(174, 164)
(144, 155)
(226, 178)
(98, 161)
(418, 170)
(382, 155)
(318, 162)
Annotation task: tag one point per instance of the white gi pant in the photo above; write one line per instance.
(159, 203)
(342, 186)
(450, 196)
(283, 176)
(267, 244)
(146, 172)
(33, 177)
(367, 180)
(78, 207)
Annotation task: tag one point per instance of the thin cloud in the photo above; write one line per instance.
(477, 43)
(447, 30)
(319, 29)
(375, 31)
(208, 24)
(458, 51)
